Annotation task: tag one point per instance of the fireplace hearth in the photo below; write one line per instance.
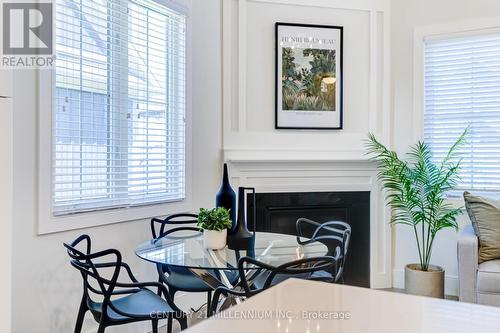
(278, 212)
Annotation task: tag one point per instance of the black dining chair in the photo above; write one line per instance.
(256, 276)
(175, 277)
(336, 235)
(112, 302)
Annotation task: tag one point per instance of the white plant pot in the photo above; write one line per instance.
(429, 283)
(214, 240)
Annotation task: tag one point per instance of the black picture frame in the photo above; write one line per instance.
(338, 83)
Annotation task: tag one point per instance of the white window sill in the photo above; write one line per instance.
(51, 224)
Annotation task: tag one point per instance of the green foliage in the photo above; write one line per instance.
(323, 60)
(416, 189)
(302, 87)
(307, 81)
(214, 219)
(288, 63)
(303, 102)
(291, 87)
(288, 100)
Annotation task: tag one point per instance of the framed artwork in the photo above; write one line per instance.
(308, 76)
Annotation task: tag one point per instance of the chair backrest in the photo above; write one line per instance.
(93, 268)
(158, 226)
(336, 235)
(159, 229)
(250, 268)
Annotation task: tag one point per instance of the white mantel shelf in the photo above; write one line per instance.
(284, 155)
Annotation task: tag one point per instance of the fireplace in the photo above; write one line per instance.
(278, 212)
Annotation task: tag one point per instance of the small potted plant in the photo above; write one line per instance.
(214, 223)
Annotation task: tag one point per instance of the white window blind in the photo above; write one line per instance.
(462, 88)
(120, 99)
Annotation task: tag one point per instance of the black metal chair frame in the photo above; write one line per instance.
(337, 231)
(172, 220)
(250, 268)
(109, 287)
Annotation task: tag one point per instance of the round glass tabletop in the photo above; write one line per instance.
(185, 248)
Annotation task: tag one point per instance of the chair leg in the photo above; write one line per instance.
(154, 325)
(159, 289)
(212, 306)
(101, 328)
(209, 300)
(81, 316)
(182, 319)
(169, 324)
(172, 292)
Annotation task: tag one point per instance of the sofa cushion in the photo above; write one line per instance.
(488, 277)
(485, 216)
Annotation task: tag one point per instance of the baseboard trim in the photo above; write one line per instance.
(450, 282)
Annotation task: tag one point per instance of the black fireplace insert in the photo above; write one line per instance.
(278, 212)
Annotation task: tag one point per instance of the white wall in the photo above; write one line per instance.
(6, 189)
(249, 77)
(406, 16)
(207, 102)
(46, 289)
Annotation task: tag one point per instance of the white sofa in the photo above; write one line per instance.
(478, 283)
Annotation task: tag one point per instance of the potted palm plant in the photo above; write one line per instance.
(214, 223)
(416, 192)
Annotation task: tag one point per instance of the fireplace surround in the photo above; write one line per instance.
(273, 174)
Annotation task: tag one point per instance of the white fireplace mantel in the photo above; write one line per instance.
(321, 176)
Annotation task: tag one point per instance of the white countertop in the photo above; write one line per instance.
(309, 307)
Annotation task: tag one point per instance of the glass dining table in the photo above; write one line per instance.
(185, 249)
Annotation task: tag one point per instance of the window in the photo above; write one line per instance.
(461, 88)
(120, 98)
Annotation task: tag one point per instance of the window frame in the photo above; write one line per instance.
(47, 221)
(447, 30)
(420, 34)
